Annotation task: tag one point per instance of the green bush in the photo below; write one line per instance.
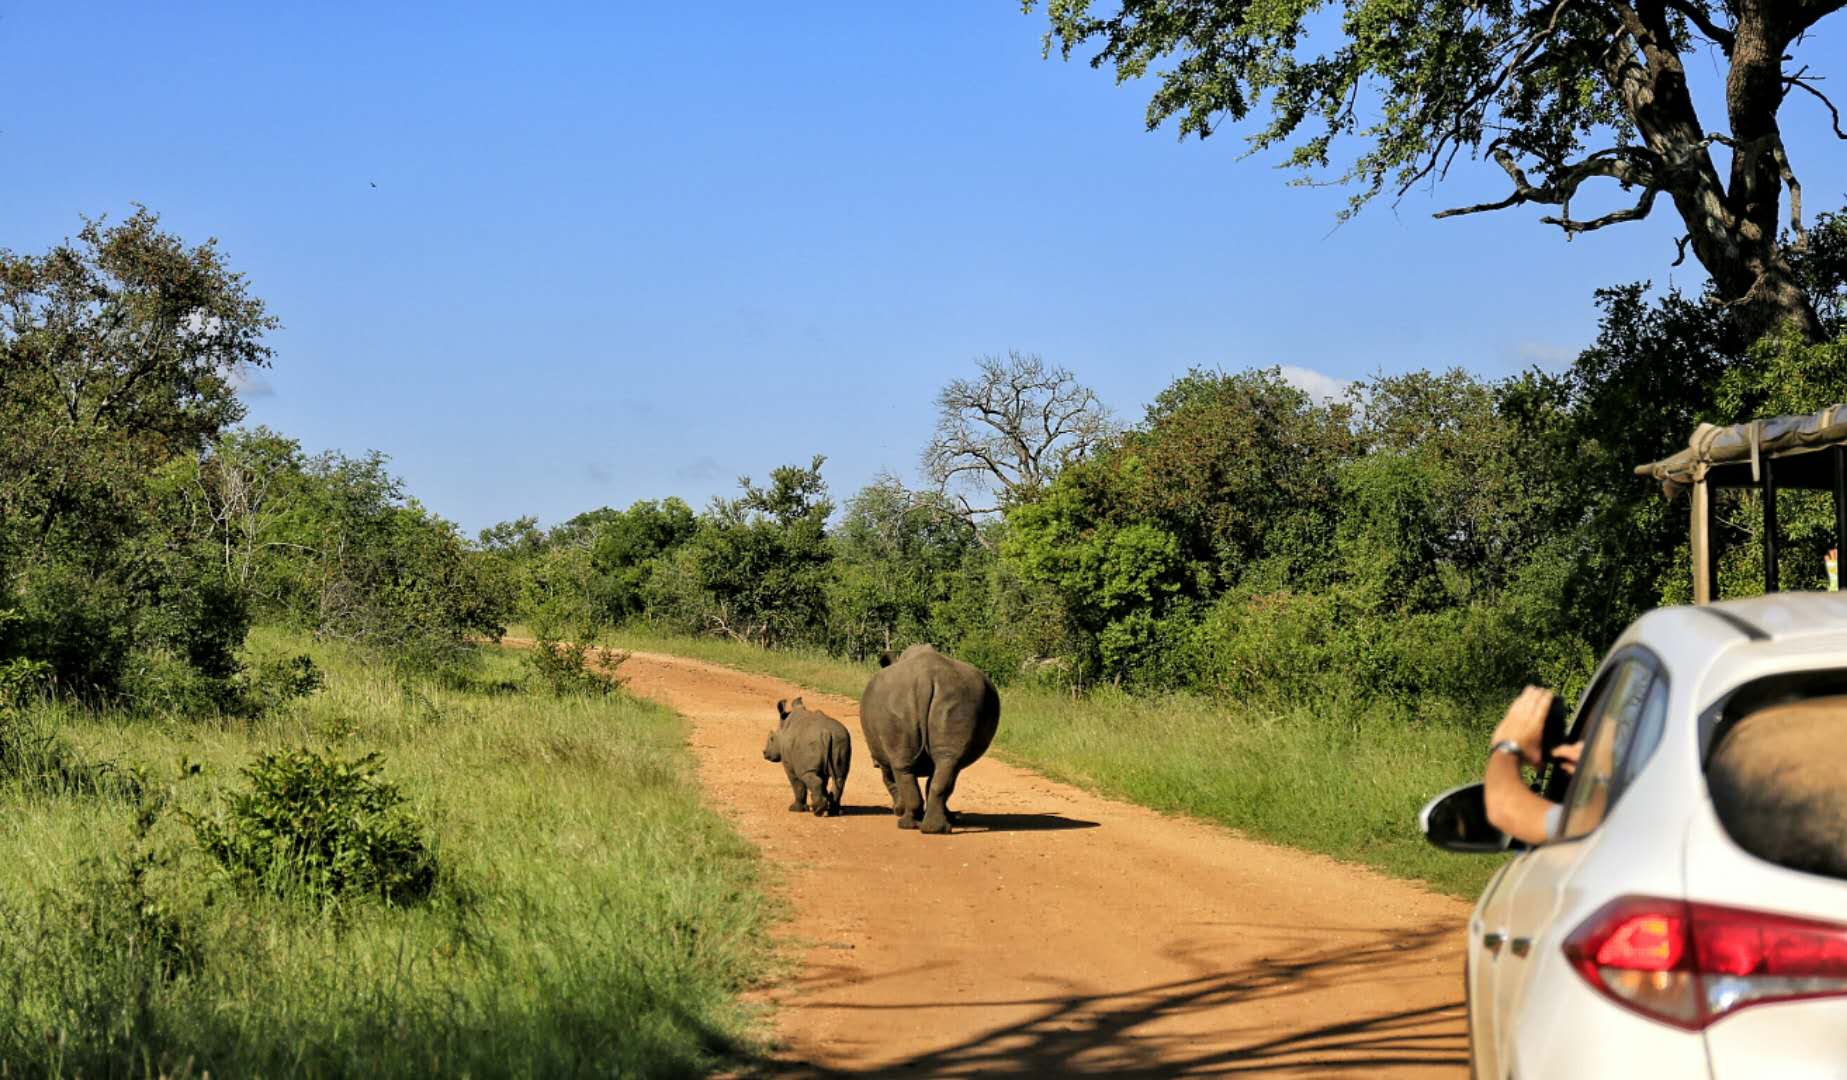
(278, 680)
(318, 828)
(564, 668)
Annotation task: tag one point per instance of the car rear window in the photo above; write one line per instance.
(1778, 779)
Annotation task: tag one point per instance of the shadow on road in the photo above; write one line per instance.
(1122, 1033)
(967, 822)
(985, 823)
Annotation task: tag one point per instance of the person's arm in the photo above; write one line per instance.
(1512, 807)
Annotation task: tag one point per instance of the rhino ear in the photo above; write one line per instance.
(782, 709)
(796, 704)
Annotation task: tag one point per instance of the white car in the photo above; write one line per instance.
(1689, 916)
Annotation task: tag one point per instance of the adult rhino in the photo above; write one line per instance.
(926, 714)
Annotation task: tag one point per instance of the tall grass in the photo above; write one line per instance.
(593, 916)
(1341, 777)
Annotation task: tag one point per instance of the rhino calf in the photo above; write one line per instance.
(814, 748)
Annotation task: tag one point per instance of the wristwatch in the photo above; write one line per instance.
(1507, 746)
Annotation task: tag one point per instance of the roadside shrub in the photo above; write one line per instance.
(1001, 660)
(565, 668)
(278, 680)
(158, 682)
(318, 828)
(22, 679)
(1278, 643)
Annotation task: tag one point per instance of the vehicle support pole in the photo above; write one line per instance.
(1770, 584)
(1702, 542)
(1840, 501)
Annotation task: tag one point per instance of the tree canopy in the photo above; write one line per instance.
(1557, 93)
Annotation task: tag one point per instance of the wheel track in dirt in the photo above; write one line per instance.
(1059, 933)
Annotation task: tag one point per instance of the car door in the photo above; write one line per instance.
(1487, 943)
(1629, 700)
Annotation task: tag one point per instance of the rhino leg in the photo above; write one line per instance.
(801, 794)
(817, 793)
(891, 787)
(908, 803)
(937, 818)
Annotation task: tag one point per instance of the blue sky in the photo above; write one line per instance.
(627, 251)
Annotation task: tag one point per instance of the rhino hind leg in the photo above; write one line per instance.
(801, 795)
(817, 793)
(909, 803)
(937, 818)
(891, 787)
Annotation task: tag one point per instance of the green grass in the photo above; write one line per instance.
(1342, 778)
(593, 917)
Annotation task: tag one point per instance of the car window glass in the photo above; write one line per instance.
(1647, 734)
(1624, 707)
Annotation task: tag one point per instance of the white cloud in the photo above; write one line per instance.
(1545, 354)
(1321, 387)
(251, 383)
(704, 468)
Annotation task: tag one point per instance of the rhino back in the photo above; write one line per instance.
(820, 739)
(926, 701)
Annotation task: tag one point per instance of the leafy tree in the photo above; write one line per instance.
(757, 569)
(1440, 510)
(355, 559)
(1241, 469)
(520, 538)
(1556, 93)
(628, 546)
(117, 354)
(898, 555)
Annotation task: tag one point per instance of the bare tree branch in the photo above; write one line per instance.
(1008, 431)
(1696, 13)
(1627, 165)
(1834, 114)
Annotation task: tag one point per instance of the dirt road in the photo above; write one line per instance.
(1056, 933)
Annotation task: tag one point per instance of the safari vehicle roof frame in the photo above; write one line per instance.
(1802, 452)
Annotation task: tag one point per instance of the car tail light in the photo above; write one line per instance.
(1690, 964)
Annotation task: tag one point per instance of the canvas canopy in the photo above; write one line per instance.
(1807, 451)
(1733, 456)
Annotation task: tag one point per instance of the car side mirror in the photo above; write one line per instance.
(1457, 820)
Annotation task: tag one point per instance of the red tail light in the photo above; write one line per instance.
(1691, 964)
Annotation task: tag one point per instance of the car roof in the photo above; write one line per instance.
(1716, 648)
(1776, 617)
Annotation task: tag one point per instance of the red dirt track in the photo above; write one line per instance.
(1057, 933)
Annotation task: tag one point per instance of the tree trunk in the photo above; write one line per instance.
(1731, 227)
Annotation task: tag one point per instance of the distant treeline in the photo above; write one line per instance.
(1435, 538)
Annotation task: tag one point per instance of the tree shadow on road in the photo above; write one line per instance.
(1123, 1033)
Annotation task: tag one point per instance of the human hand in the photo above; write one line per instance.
(1567, 755)
(1525, 722)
